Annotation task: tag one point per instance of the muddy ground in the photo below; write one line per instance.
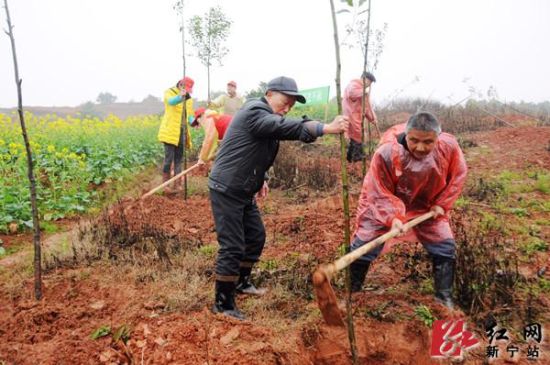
(160, 303)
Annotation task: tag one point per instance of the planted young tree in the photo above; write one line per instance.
(179, 7)
(32, 181)
(345, 186)
(360, 28)
(208, 35)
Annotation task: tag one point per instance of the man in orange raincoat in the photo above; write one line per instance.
(352, 106)
(415, 169)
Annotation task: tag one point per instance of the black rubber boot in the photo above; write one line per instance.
(443, 271)
(245, 286)
(356, 151)
(358, 271)
(225, 300)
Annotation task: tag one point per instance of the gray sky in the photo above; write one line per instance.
(71, 50)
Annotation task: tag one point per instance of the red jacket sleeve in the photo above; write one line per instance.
(354, 92)
(369, 112)
(455, 179)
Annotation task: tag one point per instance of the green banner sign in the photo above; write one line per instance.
(315, 96)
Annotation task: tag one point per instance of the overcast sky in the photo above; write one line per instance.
(71, 50)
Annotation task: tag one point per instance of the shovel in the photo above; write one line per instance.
(326, 299)
(167, 182)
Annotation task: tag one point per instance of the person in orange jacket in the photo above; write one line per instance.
(352, 106)
(415, 169)
(214, 125)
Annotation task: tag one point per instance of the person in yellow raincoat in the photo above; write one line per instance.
(171, 128)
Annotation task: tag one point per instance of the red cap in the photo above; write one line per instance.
(232, 83)
(188, 82)
(200, 111)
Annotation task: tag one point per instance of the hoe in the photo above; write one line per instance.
(326, 299)
(174, 178)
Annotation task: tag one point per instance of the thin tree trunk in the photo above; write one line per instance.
(208, 77)
(363, 103)
(32, 181)
(184, 104)
(345, 189)
(209, 48)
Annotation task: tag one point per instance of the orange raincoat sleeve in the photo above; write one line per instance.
(456, 177)
(354, 92)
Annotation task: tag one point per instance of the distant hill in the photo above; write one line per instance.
(121, 110)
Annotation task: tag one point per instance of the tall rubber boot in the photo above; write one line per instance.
(358, 270)
(443, 271)
(177, 186)
(225, 300)
(245, 286)
(165, 178)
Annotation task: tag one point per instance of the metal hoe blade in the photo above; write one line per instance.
(326, 298)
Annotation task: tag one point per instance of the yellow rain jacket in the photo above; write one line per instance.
(170, 127)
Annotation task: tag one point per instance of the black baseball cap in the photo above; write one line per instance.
(286, 85)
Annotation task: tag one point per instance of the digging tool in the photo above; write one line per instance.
(174, 178)
(326, 299)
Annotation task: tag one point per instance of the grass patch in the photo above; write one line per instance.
(532, 245)
(208, 250)
(542, 181)
(544, 285)
(462, 202)
(49, 227)
(424, 314)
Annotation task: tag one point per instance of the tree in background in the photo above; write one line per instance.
(257, 92)
(208, 35)
(88, 108)
(151, 99)
(106, 98)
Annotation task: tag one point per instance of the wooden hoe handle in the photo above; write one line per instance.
(346, 260)
(151, 192)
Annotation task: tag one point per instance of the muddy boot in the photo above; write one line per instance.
(165, 178)
(443, 271)
(358, 270)
(245, 286)
(177, 186)
(225, 300)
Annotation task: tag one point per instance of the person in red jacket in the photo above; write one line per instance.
(352, 106)
(214, 126)
(415, 169)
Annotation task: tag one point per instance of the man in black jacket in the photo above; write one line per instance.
(250, 146)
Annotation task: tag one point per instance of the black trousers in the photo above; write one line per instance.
(240, 231)
(173, 154)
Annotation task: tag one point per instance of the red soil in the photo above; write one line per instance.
(56, 330)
